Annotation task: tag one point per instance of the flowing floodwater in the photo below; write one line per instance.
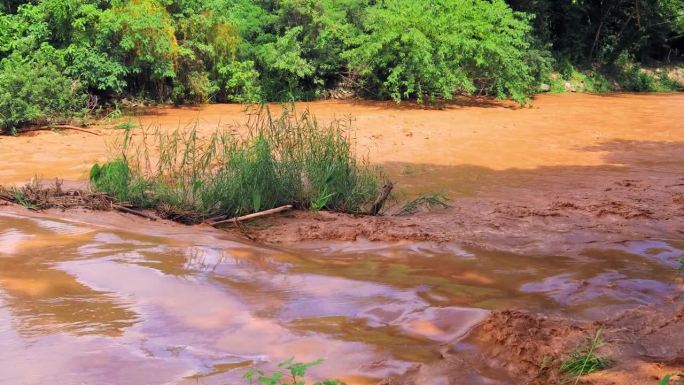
(143, 303)
(103, 298)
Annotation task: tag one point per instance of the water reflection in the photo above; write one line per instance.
(157, 305)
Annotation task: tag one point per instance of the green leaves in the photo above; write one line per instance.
(34, 90)
(195, 51)
(295, 372)
(442, 48)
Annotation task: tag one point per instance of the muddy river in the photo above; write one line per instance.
(106, 298)
(93, 304)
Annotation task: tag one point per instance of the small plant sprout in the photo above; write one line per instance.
(127, 125)
(289, 373)
(584, 359)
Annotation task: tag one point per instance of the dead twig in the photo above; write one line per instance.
(216, 219)
(252, 216)
(61, 127)
(380, 200)
(134, 212)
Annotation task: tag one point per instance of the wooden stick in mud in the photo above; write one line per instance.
(61, 127)
(380, 200)
(254, 215)
(134, 212)
(216, 219)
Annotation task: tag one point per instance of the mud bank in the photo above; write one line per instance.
(550, 211)
(560, 212)
(643, 346)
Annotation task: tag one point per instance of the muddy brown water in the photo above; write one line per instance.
(104, 298)
(149, 303)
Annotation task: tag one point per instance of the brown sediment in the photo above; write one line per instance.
(571, 170)
(643, 345)
(556, 210)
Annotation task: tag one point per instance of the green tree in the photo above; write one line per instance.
(34, 90)
(441, 48)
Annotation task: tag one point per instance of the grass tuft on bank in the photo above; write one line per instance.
(288, 159)
(584, 359)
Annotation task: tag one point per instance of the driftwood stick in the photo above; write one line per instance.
(380, 200)
(134, 212)
(254, 215)
(61, 127)
(216, 219)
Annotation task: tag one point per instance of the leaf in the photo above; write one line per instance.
(665, 380)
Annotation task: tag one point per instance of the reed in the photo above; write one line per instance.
(285, 159)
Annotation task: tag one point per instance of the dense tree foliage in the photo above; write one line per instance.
(189, 51)
(599, 31)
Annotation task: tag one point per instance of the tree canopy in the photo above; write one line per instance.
(189, 51)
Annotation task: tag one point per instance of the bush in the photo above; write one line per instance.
(36, 91)
(580, 81)
(441, 48)
(240, 82)
(634, 78)
(283, 160)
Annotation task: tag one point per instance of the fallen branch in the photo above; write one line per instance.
(216, 219)
(61, 127)
(134, 212)
(252, 216)
(380, 200)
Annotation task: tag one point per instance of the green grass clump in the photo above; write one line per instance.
(127, 125)
(288, 159)
(581, 81)
(428, 200)
(584, 359)
(633, 77)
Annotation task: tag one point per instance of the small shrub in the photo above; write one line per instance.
(35, 91)
(127, 125)
(21, 199)
(241, 82)
(579, 80)
(295, 371)
(634, 78)
(195, 88)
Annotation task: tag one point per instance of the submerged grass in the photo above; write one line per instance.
(429, 200)
(584, 359)
(285, 159)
